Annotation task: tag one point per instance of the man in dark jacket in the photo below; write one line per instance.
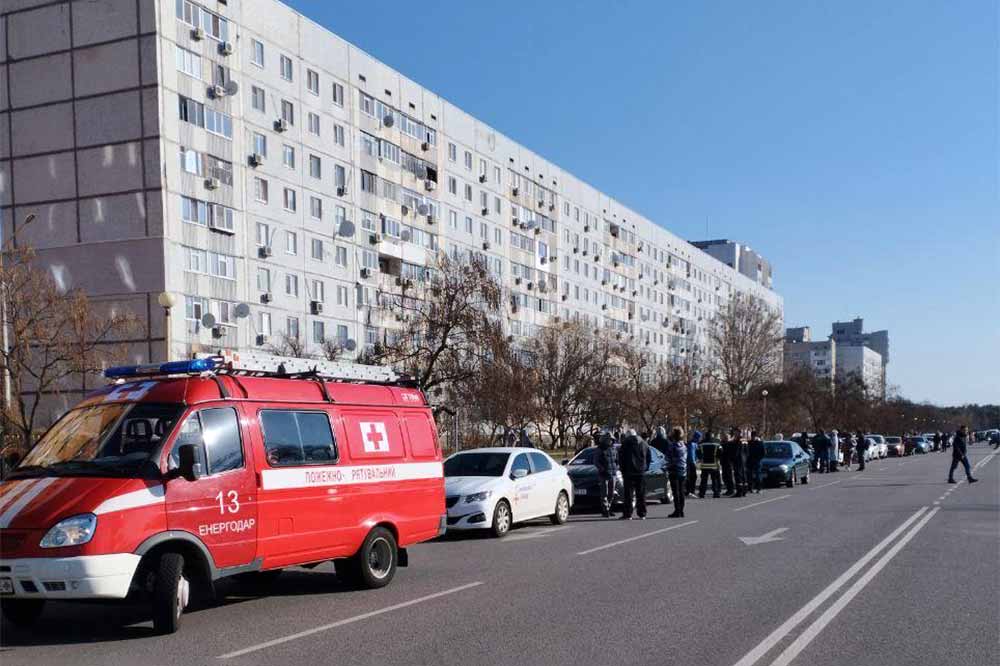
(710, 452)
(740, 463)
(862, 451)
(676, 468)
(729, 450)
(958, 455)
(937, 442)
(634, 459)
(606, 462)
(821, 451)
(755, 454)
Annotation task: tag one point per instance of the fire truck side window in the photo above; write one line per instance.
(216, 433)
(297, 438)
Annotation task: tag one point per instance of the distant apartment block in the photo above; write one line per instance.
(848, 351)
(740, 258)
(801, 351)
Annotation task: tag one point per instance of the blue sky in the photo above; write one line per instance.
(854, 144)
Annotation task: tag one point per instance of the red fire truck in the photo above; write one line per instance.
(179, 474)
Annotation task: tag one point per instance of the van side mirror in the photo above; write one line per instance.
(189, 464)
(519, 473)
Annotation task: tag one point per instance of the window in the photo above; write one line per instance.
(264, 323)
(291, 284)
(291, 242)
(286, 68)
(319, 332)
(468, 161)
(288, 112)
(297, 438)
(313, 123)
(452, 185)
(256, 53)
(216, 435)
(189, 63)
(312, 81)
(338, 134)
(339, 176)
(367, 105)
(260, 144)
(317, 249)
(315, 166)
(214, 25)
(318, 291)
(338, 94)
(263, 280)
(341, 256)
(468, 192)
(342, 299)
(260, 189)
(263, 234)
(540, 462)
(316, 208)
(288, 156)
(452, 152)
(292, 327)
(191, 161)
(289, 202)
(342, 332)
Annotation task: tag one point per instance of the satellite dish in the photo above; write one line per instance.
(388, 120)
(405, 234)
(423, 209)
(242, 311)
(232, 87)
(350, 345)
(208, 320)
(346, 229)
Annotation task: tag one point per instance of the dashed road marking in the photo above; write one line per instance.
(635, 538)
(767, 501)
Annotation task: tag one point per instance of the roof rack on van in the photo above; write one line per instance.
(257, 364)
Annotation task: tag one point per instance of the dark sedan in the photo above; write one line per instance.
(785, 462)
(583, 474)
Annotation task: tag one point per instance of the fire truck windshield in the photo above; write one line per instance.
(116, 439)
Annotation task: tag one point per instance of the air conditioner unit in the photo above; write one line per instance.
(316, 307)
(482, 178)
(219, 331)
(544, 260)
(266, 297)
(631, 315)
(486, 245)
(584, 253)
(565, 297)
(366, 272)
(515, 191)
(586, 229)
(541, 204)
(604, 306)
(538, 230)
(375, 239)
(597, 257)
(341, 190)
(517, 280)
(217, 92)
(530, 286)
(552, 257)
(640, 276)
(280, 125)
(552, 207)
(198, 34)
(212, 183)
(604, 283)
(516, 222)
(425, 146)
(430, 185)
(543, 286)
(486, 211)
(576, 250)
(430, 219)
(256, 159)
(226, 48)
(404, 210)
(264, 251)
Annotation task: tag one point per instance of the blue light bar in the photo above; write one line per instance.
(171, 368)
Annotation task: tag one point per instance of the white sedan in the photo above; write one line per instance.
(495, 488)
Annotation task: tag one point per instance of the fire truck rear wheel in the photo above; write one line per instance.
(22, 612)
(377, 558)
(171, 591)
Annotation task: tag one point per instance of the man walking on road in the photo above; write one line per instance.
(606, 462)
(958, 455)
(634, 460)
(755, 454)
(710, 452)
(676, 469)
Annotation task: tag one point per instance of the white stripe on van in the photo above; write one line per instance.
(308, 477)
(16, 488)
(8, 516)
(133, 500)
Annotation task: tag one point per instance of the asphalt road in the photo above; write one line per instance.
(892, 566)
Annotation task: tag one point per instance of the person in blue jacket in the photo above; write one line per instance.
(677, 454)
(692, 462)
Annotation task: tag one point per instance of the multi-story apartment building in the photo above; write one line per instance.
(853, 333)
(237, 153)
(740, 257)
(864, 363)
(800, 350)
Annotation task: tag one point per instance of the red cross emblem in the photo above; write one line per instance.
(375, 438)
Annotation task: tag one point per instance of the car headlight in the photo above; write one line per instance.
(74, 531)
(783, 468)
(478, 497)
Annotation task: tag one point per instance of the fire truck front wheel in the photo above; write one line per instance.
(171, 591)
(22, 612)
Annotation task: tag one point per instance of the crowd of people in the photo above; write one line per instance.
(730, 461)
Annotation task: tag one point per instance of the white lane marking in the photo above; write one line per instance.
(11, 512)
(827, 484)
(765, 538)
(773, 499)
(937, 502)
(800, 615)
(534, 535)
(636, 538)
(350, 620)
(816, 627)
(137, 498)
(984, 461)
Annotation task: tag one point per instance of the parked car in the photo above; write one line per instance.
(188, 472)
(495, 488)
(584, 476)
(880, 448)
(785, 462)
(918, 444)
(896, 447)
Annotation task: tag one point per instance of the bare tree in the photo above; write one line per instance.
(647, 386)
(289, 345)
(745, 339)
(500, 396)
(55, 338)
(446, 324)
(332, 348)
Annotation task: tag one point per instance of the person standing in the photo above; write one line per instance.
(862, 449)
(692, 462)
(821, 449)
(834, 450)
(959, 455)
(740, 462)
(709, 455)
(634, 459)
(937, 442)
(755, 454)
(606, 462)
(677, 469)
(729, 448)
(661, 443)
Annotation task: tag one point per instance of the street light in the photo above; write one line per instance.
(764, 395)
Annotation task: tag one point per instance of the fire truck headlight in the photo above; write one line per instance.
(74, 531)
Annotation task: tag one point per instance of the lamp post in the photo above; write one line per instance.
(167, 300)
(764, 395)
